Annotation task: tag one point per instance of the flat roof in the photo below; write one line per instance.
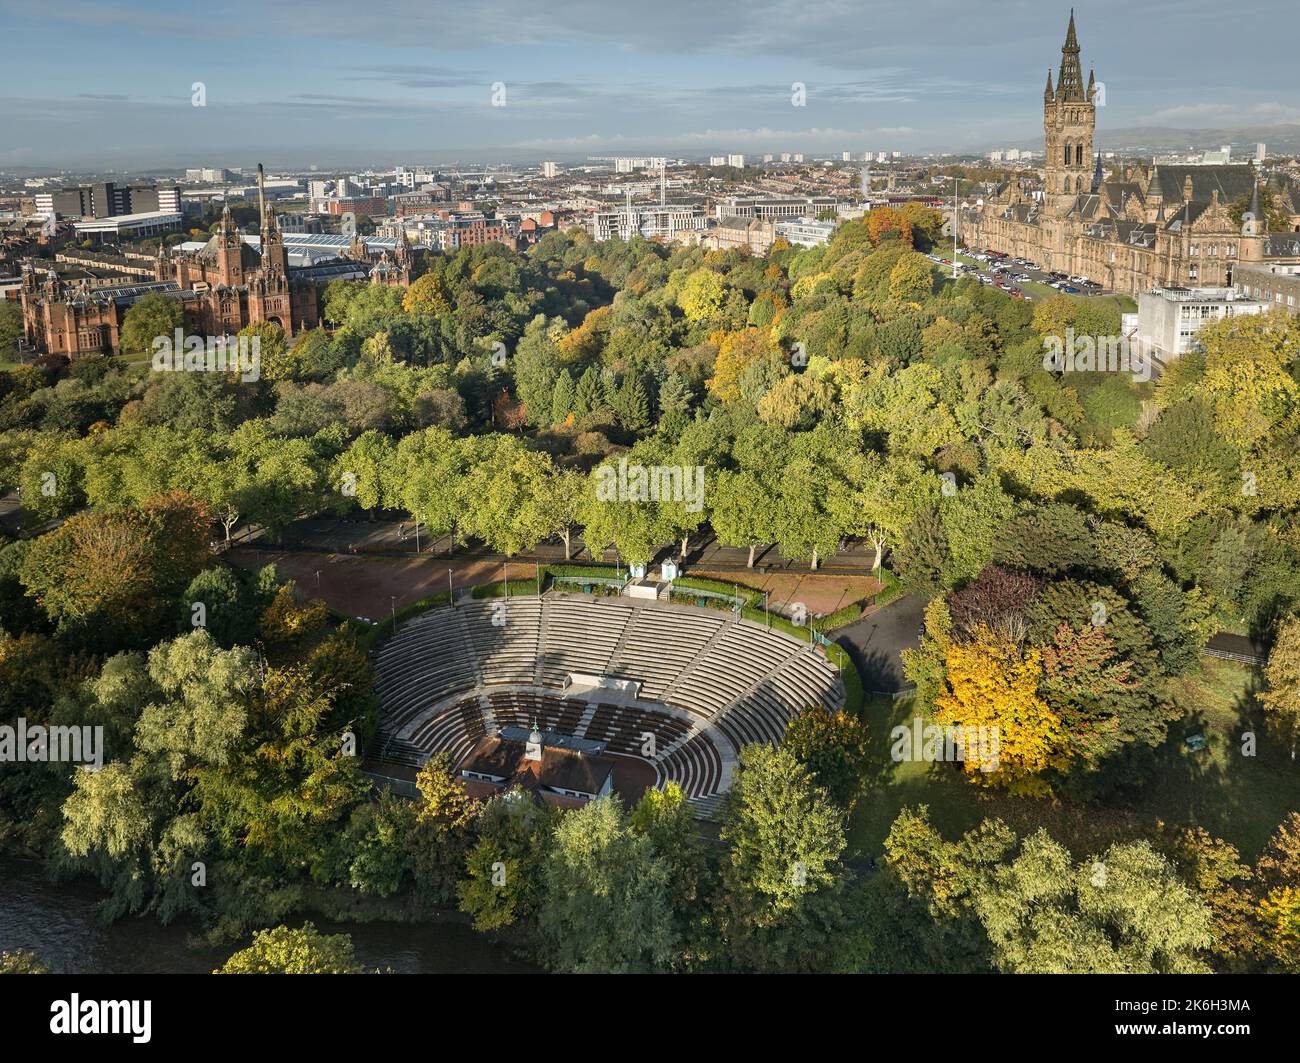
(129, 221)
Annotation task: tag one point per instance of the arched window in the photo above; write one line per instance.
(1078, 155)
(1067, 154)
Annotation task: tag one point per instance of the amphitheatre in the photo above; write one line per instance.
(670, 691)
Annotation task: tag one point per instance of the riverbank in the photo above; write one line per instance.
(59, 921)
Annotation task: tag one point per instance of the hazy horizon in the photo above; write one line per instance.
(111, 85)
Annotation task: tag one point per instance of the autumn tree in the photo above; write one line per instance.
(1282, 698)
(992, 688)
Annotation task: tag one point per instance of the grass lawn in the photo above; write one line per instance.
(1241, 799)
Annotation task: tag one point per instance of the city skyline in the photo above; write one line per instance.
(325, 89)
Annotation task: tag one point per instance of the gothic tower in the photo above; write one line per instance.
(1254, 230)
(230, 263)
(1069, 117)
(274, 258)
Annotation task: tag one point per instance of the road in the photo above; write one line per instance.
(875, 643)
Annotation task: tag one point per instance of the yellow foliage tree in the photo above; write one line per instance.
(1279, 912)
(285, 620)
(428, 295)
(992, 686)
(735, 351)
(1246, 378)
(585, 342)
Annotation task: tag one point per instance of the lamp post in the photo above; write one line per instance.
(392, 601)
(451, 595)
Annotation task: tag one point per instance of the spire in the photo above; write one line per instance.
(1069, 84)
(261, 195)
(1097, 175)
(1092, 82)
(1253, 222)
(1049, 95)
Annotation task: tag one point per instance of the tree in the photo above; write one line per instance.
(1282, 698)
(992, 696)
(563, 397)
(427, 295)
(270, 348)
(737, 351)
(113, 575)
(11, 328)
(1122, 912)
(590, 393)
(507, 496)
(537, 369)
(702, 295)
(922, 556)
(911, 280)
(807, 528)
(743, 511)
(284, 950)
(784, 838)
(21, 961)
(665, 818)
(503, 881)
(606, 906)
(152, 316)
(443, 830)
(562, 500)
(997, 599)
(833, 746)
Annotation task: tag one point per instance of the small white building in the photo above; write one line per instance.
(1170, 318)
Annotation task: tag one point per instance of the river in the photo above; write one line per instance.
(59, 922)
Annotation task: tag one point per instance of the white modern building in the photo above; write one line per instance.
(1170, 318)
(653, 221)
(805, 232)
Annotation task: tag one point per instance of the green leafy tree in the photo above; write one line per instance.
(606, 907)
(284, 950)
(150, 317)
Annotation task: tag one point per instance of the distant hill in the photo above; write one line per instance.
(1281, 139)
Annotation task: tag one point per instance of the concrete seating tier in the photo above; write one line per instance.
(709, 682)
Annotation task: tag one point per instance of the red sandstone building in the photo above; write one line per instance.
(224, 286)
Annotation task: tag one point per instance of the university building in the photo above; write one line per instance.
(224, 285)
(1143, 227)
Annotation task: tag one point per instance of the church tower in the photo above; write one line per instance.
(1069, 118)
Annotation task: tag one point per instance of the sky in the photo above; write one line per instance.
(108, 85)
